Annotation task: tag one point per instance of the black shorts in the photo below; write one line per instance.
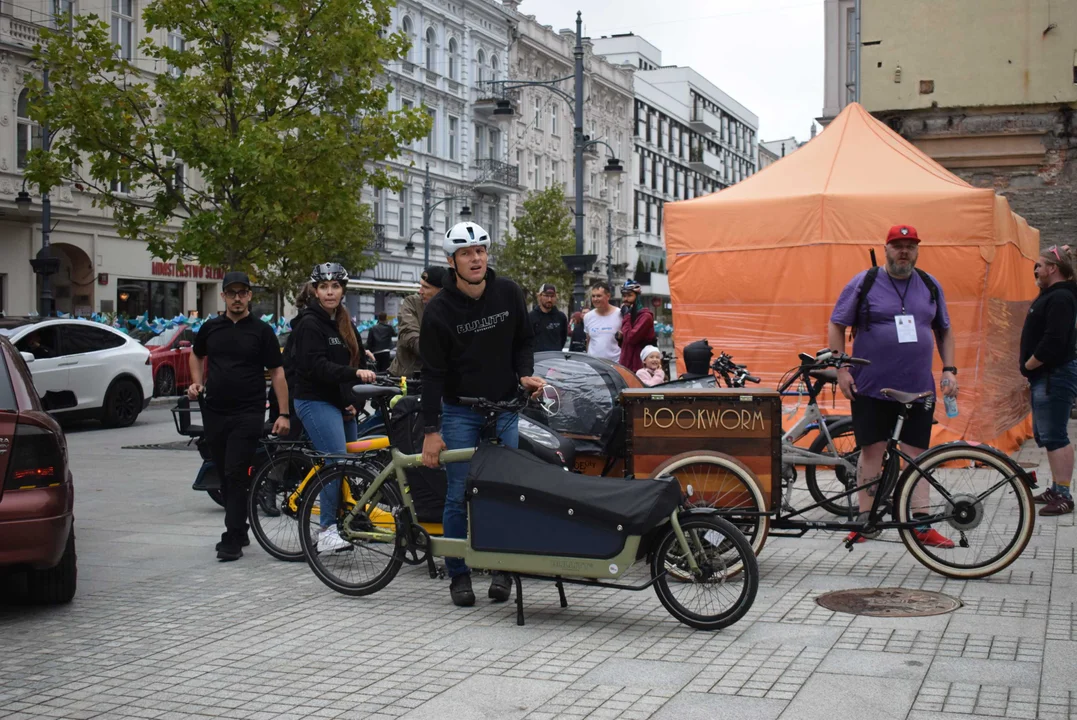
(874, 421)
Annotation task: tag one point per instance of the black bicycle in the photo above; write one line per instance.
(973, 495)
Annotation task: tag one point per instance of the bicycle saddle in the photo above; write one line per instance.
(828, 374)
(905, 398)
(369, 392)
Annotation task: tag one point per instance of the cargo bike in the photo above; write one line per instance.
(539, 521)
(729, 446)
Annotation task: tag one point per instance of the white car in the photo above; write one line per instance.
(109, 372)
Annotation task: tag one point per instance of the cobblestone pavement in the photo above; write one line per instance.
(160, 629)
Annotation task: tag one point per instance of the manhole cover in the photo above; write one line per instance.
(177, 445)
(888, 602)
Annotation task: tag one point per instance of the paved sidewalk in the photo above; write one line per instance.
(160, 629)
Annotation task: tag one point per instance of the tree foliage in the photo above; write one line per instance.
(274, 108)
(544, 232)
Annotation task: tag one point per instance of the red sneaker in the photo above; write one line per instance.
(859, 539)
(932, 538)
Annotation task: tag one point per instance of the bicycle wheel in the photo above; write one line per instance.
(711, 598)
(273, 523)
(725, 484)
(359, 567)
(987, 510)
(825, 482)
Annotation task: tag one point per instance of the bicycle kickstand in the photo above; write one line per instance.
(852, 540)
(519, 600)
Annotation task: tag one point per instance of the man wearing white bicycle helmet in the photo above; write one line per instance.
(475, 341)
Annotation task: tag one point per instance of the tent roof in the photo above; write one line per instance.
(848, 185)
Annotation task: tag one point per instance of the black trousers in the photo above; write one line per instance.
(382, 360)
(233, 440)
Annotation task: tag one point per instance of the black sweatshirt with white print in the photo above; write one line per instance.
(474, 347)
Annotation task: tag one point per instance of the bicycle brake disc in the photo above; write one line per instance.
(968, 512)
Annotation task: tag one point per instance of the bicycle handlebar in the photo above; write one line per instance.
(514, 405)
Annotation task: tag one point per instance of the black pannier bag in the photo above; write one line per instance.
(428, 486)
(520, 504)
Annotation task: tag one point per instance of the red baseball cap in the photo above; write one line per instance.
(902, 232)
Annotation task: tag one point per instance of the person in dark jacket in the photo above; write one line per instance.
(578, 333)
(637, 325)
(379, 340)
(476, 342)
(1049, 361)
(328, 354)
(548, 323)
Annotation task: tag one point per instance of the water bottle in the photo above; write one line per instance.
(949, 401)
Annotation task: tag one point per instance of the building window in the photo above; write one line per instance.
(377, 206)
(480, 142)
(176, 43)
(480, 67)
(123, 16)
(448, 214)
(555, 172)
(402, 213)
(494, 147)
(555, 110)
(159, 299)
(179, 172)
(29, 132)
(63, 12)
(120, 187)
(431, 50)
(405, 25)
(538, 114)
(453, 130)
(850, 55)
(452, 59)
(431, 138)
(493, 67)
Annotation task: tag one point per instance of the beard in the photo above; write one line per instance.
(899, 272)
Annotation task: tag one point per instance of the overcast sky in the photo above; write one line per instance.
(766, 54)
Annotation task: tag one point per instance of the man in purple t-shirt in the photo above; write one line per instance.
(897, 323)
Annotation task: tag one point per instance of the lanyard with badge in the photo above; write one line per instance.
(906, 324)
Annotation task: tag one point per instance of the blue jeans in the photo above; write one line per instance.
(1053, 394)
(329, 433)
(461, 427)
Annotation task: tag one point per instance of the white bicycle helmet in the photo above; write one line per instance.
(465, 234)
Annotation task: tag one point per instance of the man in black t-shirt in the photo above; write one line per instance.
(240, 347)
(547, 322)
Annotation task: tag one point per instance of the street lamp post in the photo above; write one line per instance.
(428, 209)
(44, 264)
(579, 263)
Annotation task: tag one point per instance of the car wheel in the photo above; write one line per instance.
(55, 585)
(123, 403)
(164, 385)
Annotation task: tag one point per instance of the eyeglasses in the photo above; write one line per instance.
(233, 294)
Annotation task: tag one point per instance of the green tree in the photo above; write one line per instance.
(532, 255)
(641, 268)
(274, 108)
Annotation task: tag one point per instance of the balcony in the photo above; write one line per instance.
(704, 161)
(407, 68)
(379, 238)
(704, 120)
(495, 177)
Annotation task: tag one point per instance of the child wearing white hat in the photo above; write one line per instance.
(651, 373)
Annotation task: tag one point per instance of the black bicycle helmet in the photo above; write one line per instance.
(329, 271)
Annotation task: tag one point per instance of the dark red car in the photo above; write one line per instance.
(169, 354)
(37, 497)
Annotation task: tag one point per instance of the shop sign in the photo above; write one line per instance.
(184, 270)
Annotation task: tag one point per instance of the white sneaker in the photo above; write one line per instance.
(331, 541)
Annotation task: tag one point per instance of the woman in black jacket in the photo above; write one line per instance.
(327, 352)
(1049, 361)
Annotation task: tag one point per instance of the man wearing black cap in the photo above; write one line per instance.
(549, 324)
(240, 347)
(410, 319)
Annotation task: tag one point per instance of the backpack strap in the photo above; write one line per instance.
(862, 297)
(934, 290)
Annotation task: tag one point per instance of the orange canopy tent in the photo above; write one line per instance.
(756, 268)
